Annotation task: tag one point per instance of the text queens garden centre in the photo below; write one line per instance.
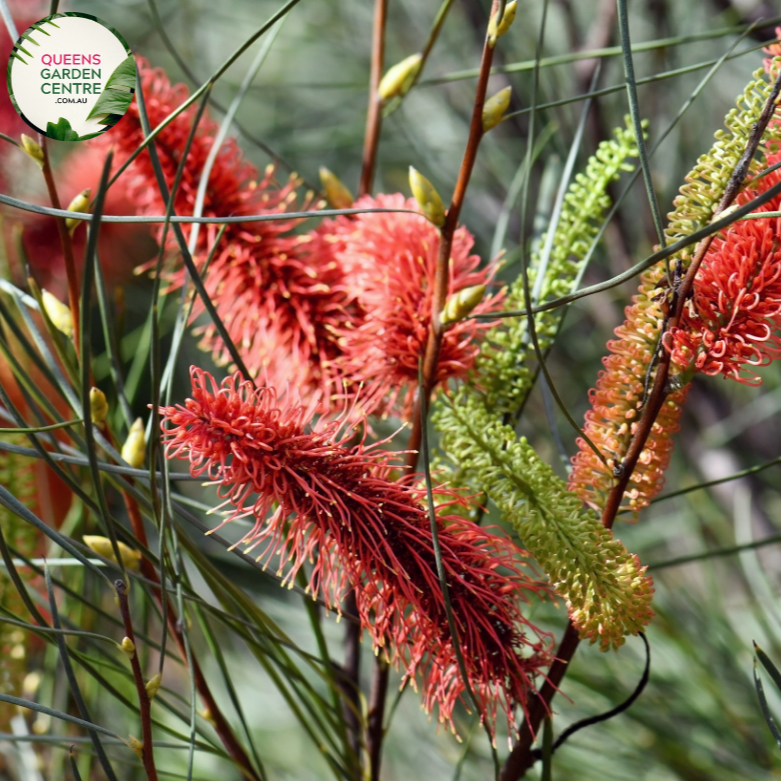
(71, 80)
(71, 76)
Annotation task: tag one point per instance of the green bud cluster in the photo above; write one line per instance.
(607, 593)
(503, 363)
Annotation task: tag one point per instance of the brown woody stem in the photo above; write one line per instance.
(220, 723)
(371, 138)
(65, 240)
(521, 759)
(144, 703)
(431, 359)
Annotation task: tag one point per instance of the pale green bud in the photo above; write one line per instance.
(33, 148)
(497, 31)
(460, 304)
(98, 406)
(153, 685)
(398, 80)
(495, 108)
(335, 190)
(134, 449)
(427, 197)
(79, 204)
(103, 547)
(58, 313)
(128, 647)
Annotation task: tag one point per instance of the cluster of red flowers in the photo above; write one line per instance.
(390, 260)
(317, 498)
(729, 324)
(732, 319)
(324, 311)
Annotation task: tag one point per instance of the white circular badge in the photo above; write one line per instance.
(71, 76)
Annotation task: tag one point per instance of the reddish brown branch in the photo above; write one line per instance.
(430, 361)
(441, 279)
(65, 240)
(374, 116)
(144, 703)
(376, 716)
(521, 759)
(218, 720)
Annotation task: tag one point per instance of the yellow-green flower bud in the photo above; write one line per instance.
(79, 204)
(460, 304)
(33, 148)
(128, 647)
(153, 685)
(495, 108)
(398, 80)
(497, 31)
(427, 197)
(335, 190)
(103, 547)
(58, 313)
(134, 449)
(98, 406)
(136, 745)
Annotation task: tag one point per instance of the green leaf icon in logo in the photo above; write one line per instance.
(62, 131)
(118, 94)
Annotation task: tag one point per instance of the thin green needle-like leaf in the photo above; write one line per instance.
(180, 219)
(216, 649)
(772, 670)
(72, 682)
(151, 134)
(8, 20)
(718, 552)
(186, 254)
(40, 429)
(88, 278)
(663, 76)
(650, 260)
(465, 751)
(112, 346)
(19, 585)
(161, 31)
(44, 630)
(634, 110)
(38, 708)
(527, 292)
(9, 501)
(42, 358)
(771, 722)
(610, 51)
(547, 750)
(216, 147)
(182, 318)
(736, 476)
(514, 190)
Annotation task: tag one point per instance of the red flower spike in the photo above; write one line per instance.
(337, 506)
(615, 405)
(279, 294)
(390, 259)
(735, 311)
